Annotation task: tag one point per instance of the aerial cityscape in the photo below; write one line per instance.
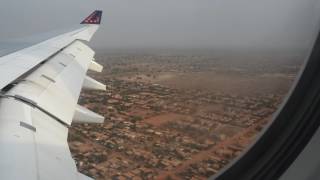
(178, 116)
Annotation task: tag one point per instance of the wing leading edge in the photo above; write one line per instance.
(39, 102)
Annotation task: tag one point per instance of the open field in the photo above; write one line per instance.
(220, 82)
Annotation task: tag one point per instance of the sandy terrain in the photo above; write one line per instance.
(231, 83)
(183, 117)
(165, 118)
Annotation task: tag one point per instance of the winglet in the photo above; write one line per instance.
(94, 18)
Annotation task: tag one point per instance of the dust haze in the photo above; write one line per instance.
(190, 83)
(180, 24)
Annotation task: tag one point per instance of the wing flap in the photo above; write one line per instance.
(41, 154)
(56, 87)
(83, 177)
(52, 147)
(17, 142)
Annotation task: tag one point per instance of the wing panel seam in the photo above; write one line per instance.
(34, 105)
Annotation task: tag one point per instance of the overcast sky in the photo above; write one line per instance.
(171, 23)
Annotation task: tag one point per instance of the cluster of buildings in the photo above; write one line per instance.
(154, 132)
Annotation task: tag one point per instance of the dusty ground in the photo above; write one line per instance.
(213, 101)
(227, 83)
(165, 118)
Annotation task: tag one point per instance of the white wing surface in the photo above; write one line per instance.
(40, 86)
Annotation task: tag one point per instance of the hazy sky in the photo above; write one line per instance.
(171, 23)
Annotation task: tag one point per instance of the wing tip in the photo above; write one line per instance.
(93, 18)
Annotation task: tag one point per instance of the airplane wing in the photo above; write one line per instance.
(40, 86)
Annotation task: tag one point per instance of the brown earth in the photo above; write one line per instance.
(230, 83)
(164, 118)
